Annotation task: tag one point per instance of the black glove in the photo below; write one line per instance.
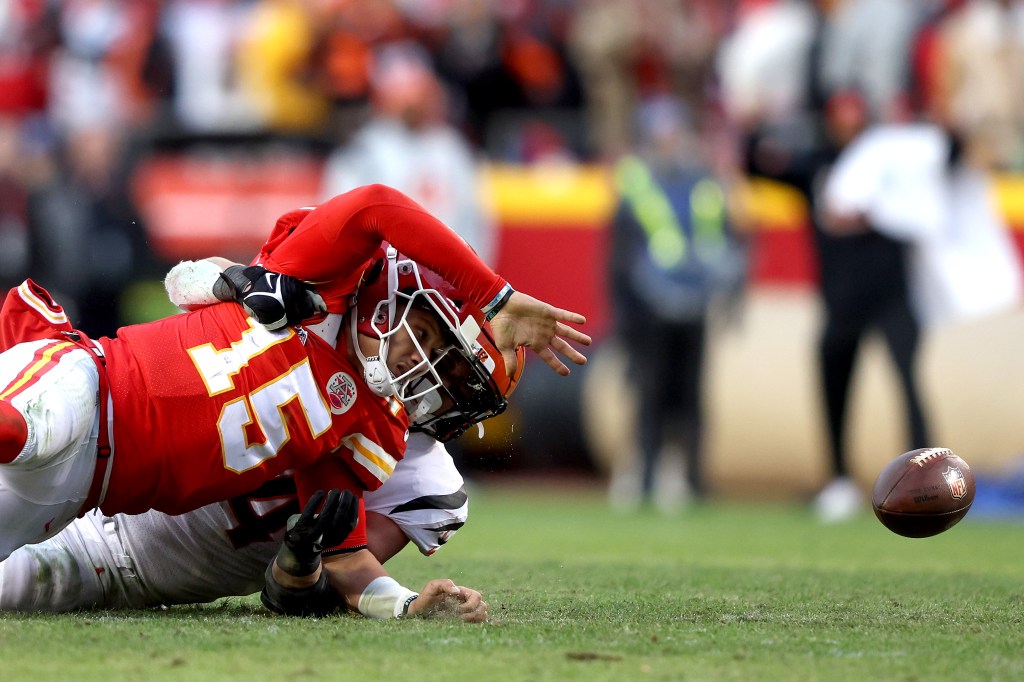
(318, 599)
(308, 533)
(275, 300)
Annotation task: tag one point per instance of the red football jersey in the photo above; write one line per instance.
(277, 401)
(209, 405)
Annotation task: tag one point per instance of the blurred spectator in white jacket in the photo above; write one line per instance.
(919, 184)
(409, 145)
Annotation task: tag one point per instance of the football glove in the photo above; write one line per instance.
(273, 299)
(307, 534)
(318, 599)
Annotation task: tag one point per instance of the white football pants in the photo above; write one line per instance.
(54, 385)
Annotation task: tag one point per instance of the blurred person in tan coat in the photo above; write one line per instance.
(978, 78)
(274, 64)
(626, 50)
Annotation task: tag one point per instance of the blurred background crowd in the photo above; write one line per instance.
(134, 133)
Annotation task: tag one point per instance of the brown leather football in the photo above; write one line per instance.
(923, 492)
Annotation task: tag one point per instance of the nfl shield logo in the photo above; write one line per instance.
(956, 482)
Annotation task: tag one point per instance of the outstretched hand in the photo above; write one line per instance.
(442, 598)
(525, 321)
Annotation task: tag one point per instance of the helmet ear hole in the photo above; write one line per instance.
(372, 273)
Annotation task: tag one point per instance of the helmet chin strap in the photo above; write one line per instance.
(375, 371)
(375, 368)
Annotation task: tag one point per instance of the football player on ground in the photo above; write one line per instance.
(470, 385)
(205, 406)
(223, 549)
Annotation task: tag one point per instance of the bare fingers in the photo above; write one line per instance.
(562, 346)
(568, 316)
(571, 333)
(442, 598)
(552, 361)
(473, 608)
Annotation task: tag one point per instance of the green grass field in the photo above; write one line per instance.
(725, 591)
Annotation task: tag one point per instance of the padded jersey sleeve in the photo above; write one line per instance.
(425, 496)
(330, 245)
(30, 313)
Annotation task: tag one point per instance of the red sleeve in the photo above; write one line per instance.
(330, 246)
(330, 473)
(30, 313)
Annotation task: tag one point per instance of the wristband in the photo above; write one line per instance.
(384, 597)
(498, 302)
(407, 604)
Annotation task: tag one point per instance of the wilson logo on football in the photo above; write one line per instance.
(956, 482)
(341, 392)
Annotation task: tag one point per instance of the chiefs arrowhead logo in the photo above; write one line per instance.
(341, 392)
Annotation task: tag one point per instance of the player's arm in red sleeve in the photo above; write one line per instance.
(306, 579)
(334, 473)
(335, 239)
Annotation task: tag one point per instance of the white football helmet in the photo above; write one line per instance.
(393, 285)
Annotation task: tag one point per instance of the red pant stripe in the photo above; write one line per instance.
(44, 359)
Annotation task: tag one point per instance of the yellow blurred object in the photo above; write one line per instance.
(1010, 199)
(773, 205)
(273, 60)
(546, 194)
(584, 195)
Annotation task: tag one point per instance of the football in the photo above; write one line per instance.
(923, 492)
